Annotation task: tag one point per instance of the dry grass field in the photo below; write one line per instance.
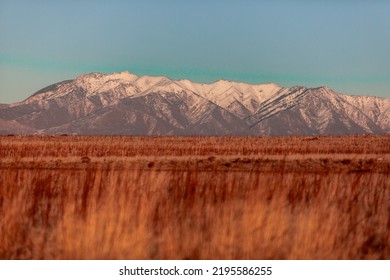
(70, 197)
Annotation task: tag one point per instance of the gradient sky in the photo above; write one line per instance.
(343, 44)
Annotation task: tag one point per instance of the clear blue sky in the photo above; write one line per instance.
(343, 44)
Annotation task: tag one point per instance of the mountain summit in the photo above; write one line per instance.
(125, 104)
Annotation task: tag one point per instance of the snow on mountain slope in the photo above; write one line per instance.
(123, 103)
(375, 108)
(96, 81)
(320, 111)
(283, 99)
(238, 98)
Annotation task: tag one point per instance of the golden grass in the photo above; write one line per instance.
(194, 197)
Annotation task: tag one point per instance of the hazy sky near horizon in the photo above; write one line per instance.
(343, 44)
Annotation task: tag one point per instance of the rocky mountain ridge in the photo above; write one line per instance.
(125, 104)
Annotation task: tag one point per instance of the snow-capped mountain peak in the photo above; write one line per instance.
(124, 103)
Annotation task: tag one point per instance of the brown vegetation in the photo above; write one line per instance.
(68, 197)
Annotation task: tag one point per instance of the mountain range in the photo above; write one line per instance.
(126, 104)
